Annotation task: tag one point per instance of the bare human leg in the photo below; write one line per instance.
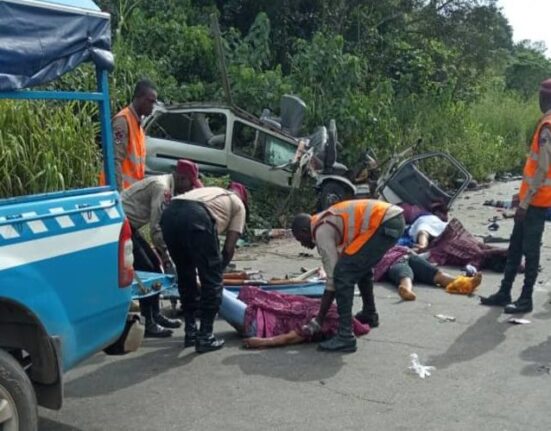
(405, 289)
(442, 279)
(279, 340)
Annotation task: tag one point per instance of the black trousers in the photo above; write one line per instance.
(358, 268)
(145, 259)
(413, 267)
(190, 234)
(525, 240)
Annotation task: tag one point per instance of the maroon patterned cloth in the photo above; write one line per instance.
(274, 313)
(457, 247)
(412, 212)
(392, 256)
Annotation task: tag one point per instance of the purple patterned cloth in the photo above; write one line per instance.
(457, 247)
(275, 313)
(392, 256)
(412, 212)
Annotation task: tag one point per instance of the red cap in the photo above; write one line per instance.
(545, 87)
(190, 170)
(241, 191)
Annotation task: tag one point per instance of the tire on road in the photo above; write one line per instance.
(18, 409)
(332, 192)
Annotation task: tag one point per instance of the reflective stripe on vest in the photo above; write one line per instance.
(530, 181)
(542, 197)
(360, 218)
(133, 165)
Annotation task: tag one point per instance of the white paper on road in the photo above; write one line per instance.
(418, 368)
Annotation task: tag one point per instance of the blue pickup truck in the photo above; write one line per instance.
(65, 257)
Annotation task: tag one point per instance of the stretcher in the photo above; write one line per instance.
(149, 283)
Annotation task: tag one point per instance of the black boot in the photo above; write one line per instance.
(152, 330)
(524, 303)
(368, 314)
(499, 299)
(155, 304)
(165, 322)
(344, 341)
(206, 341)
(520, 306)
(190, 330)
(369, 317)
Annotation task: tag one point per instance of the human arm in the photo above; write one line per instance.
(541, 172)
(160, 198)
(326, 302)
(327, 238)
(120, 138)
(235, 229)
(229, 247)
(422, 241)
(291, 337)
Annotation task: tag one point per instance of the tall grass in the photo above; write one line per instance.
(488, 136)
(47, 146)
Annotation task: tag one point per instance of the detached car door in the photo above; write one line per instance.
(197, 135)
(255, 151)
(428, 180)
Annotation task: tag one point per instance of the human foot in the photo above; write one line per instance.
(406, 293)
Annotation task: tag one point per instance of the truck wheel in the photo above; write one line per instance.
(17, 398)
(331, 193)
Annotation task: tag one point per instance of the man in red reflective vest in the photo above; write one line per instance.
(535, 199)
(351, 238)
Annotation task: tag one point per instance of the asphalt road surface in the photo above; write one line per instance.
(490, 374)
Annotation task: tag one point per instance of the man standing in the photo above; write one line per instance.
(191, 225)
(144, 203)
(535, 199)
(351, 238)
(129, 136)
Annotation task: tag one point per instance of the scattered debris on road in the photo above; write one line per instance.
(418, 368)
(444, 318)
(517, 321)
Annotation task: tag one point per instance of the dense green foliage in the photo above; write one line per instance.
(50, 152)
(389, 71)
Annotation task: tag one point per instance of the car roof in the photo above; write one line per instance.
(238, 112)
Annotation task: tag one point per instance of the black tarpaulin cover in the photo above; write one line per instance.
(42, 40)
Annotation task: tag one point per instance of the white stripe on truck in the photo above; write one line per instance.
(36, 250)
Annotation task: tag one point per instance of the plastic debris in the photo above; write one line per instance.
(517, 321)
(493, 226)
(444, 318)
(470, 270)
(418, 368)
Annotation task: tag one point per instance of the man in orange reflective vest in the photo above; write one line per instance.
(351, 237)
(129, 136)
(535, 199)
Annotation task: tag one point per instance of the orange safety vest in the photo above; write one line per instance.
(361, 218)
(133, 165)
(542, 198)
